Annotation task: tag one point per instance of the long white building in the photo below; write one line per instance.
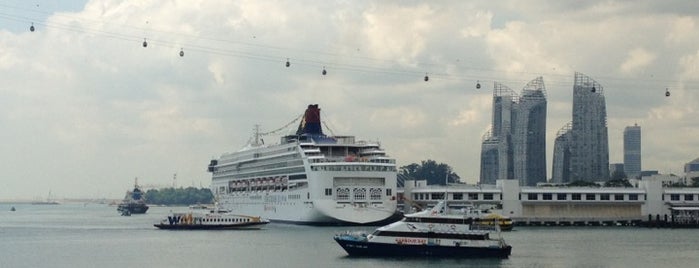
(556, 204)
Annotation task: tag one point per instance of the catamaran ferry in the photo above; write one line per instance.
(308, 178)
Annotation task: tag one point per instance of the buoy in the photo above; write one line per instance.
(181, 52)
(31, 28)
(324, 71)
(145, 44)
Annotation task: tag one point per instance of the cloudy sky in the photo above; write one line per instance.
(85, 108)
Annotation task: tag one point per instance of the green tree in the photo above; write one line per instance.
(618, 183)
(695, 182)
(618, 175)
(179, 196)
(430, 170)
(582, 183)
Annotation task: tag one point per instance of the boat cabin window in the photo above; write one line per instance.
(437, 196)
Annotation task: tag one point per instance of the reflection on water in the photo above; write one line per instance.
(95, 235)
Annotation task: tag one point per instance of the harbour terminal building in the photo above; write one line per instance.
(559, 205)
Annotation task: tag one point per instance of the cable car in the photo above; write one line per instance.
(478, 84)
(145, 44)
(31, 28)
(427, 78)
(667, 92)
(324, 71)
(181, 52)
(287, 62)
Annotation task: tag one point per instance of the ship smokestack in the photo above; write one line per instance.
(311, 121)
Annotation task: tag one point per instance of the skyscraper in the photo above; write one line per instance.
(515, 146)
(496, 149)
(632, 151)
(586, 141)
(529, 134)
(560, 172)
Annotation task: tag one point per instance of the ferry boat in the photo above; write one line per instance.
(488, 218)
(212, 220)
(134, 202)
(436, 232)
(308, 178)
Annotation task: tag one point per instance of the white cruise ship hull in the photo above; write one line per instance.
(308, 178)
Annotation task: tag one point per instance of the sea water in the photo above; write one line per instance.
(95, 235)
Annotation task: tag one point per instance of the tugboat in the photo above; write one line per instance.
(134, 202)
(434, 233)
(210, 220)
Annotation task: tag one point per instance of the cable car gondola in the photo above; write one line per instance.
(181, 52)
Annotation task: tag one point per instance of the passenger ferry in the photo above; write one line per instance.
(212, 220)
(308, 178)
(487, 218)
(436, 232)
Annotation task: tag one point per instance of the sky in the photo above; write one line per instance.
(85, 108)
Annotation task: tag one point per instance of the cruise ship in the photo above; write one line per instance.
(308, 178)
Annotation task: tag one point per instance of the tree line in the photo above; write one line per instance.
(179, 196)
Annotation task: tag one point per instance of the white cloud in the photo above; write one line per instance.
(637, 59)
(83, 103)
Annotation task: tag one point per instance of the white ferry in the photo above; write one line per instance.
(308, 178)
(212, 220)
(437, 232)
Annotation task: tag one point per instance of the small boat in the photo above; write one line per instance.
(210, 220)
(432, 233)
(485, 217)
(13, 209)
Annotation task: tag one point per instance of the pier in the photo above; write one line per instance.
(649, 204)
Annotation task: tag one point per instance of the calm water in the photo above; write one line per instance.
(78, 235)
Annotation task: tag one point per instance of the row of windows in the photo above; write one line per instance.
(353, 168)
(579, 196)
(357, 193)
(226, 220)
(676, 197)
(454, 196)
(260, 164)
